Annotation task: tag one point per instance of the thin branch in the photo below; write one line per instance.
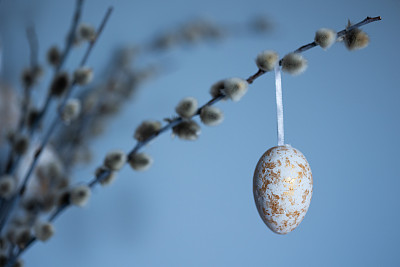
(98, 33)
(5, 212)
(33, 45)
(252, 78)
(57, 119)
(171, 124)
(13, 165)
(34, 48)
(67, 49)
(71, 34)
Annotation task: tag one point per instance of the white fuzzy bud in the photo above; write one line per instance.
(356, 39)
(43, 230)
(50, 171)
(19, 263)
(20, 144)
(8, 186)
(3, 258)
(235, 88)
(146, 129)
(60, 84)
(71, 110)
(87, 32)
(109, 177)
(83, 75)
(80, 195)
(187, 130)
(4, 244)
(22, 236)
(325, 37)
(294, 63)
(115, 160)
(54, 56)
(267, 60)
(211, 116)
(187, 107)
(140, 161)
(216, 89)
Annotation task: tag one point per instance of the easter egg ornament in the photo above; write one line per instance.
(282, 182)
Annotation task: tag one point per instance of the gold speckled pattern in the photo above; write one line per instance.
(282, 187)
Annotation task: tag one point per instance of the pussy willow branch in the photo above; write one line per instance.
(171, 124)
(313, 44)
(12, 161)
(57, 119)
(13, 164)
(6, 209)
(65, 53)
(33, 47)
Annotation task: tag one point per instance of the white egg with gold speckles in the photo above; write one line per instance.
(282, 187)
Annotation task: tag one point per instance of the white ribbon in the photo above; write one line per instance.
(279, 105)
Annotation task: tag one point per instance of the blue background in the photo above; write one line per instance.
(195, 206)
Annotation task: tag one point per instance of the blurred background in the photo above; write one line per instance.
(194, 206)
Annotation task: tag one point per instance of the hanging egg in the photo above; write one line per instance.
(282, 187)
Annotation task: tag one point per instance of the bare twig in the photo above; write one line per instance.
(33, 45)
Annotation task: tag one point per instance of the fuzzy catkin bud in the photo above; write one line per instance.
(187, 130)
(54, 56)
(267, 60)
(20, 144)
(64, 198)
(60, 84)
(50, 171)
(71, 110)
(146, 129)
(109, 175)
(140, 161)
(3, 259)
(216, 89)
(19, 263)
(356, 39)
(27, 78)
(325, 38)
(87, 32)
(235, 88)
(4, 244)
(33, 116)
(83, 76)
(80, 195)
(22, 237)
(187, 107)
(294, 63)
(31, 75)
(43, 231)
(31, 204)
(48, 202)
(7, 186)
(211, 116)
(115, 160)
